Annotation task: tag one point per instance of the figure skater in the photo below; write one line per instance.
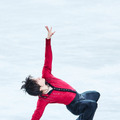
(50, 89)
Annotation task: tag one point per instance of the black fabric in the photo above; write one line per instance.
(49, 92)
(84, 105)
(64, 90)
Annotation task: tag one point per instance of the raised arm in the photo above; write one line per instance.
(48, 54)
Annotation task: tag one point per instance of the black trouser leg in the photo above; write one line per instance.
(86, 108)
(89, 111)
(91, 95)
(84, 105)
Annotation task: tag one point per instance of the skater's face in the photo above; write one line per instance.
(40, 81)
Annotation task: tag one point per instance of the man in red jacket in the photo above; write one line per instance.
(50, 89)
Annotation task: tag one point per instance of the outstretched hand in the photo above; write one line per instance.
(50, 33)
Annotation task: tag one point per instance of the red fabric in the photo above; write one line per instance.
(55, 96)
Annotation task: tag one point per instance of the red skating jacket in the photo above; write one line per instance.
(56, 96)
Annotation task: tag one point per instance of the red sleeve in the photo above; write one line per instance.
(41, 104)
(47, 68)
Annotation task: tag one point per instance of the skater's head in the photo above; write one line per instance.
(33, 86)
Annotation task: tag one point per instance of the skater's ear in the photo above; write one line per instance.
(41, 89)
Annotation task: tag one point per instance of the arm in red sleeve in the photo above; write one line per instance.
(41, 104)
(48, 59)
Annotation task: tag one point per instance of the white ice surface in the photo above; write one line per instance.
(86, 50)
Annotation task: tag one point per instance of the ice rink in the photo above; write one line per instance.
(86, 53)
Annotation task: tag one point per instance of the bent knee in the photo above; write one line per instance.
(98, 94)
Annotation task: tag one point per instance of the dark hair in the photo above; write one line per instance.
(31, 87)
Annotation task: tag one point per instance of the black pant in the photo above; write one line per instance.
(84, 105)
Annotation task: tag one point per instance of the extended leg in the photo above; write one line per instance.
(91, 95)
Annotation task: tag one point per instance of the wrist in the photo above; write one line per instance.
(48, 38)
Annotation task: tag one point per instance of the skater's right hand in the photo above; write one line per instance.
(50, 33)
